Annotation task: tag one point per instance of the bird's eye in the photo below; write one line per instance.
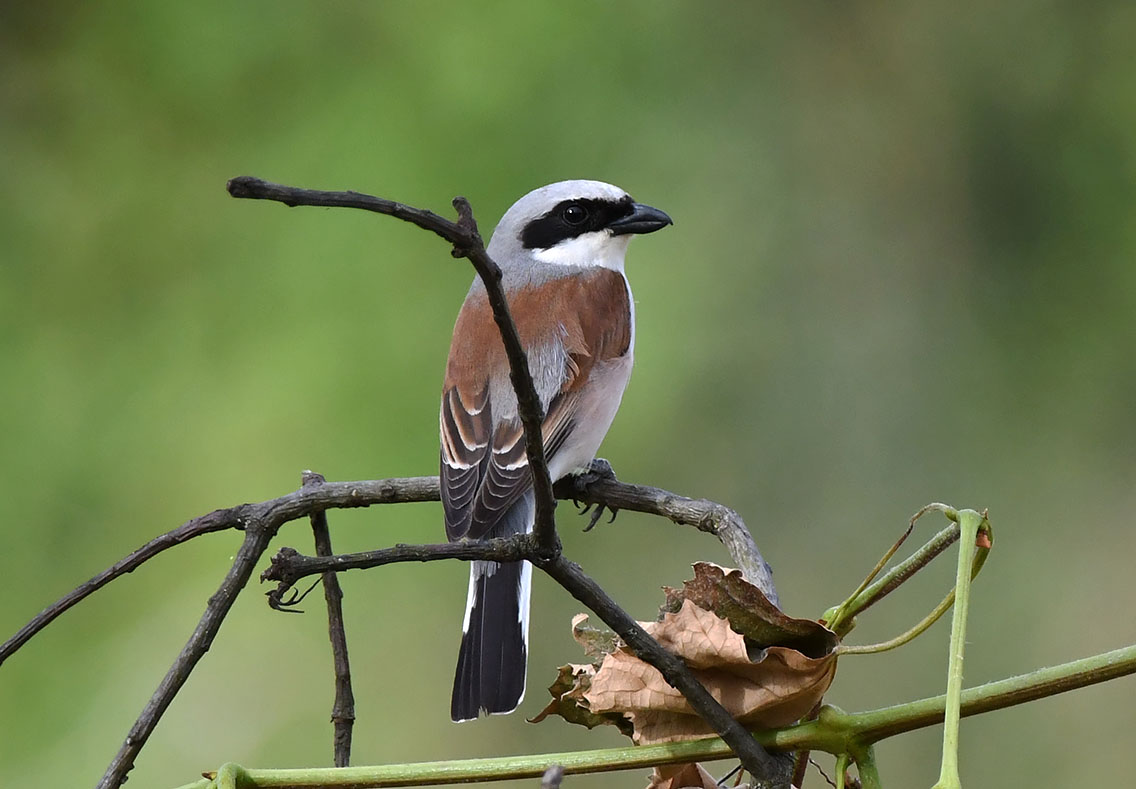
(575, 214)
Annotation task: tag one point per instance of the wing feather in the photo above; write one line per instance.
(484, 466)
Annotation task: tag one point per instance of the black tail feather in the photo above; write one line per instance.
(490, 675)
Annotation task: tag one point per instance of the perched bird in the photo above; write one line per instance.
(560, 249)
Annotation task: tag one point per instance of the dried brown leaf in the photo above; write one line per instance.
(776, 690)
(762, 683)
(568, 691)
(729, 595)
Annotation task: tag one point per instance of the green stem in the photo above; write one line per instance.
(891, 580)
(969, 522)
(832, 732)
(501, 768)
(865, 758)
(875, 725)
(902, 638)
(841, 618)
(841, 769)
(980, 555)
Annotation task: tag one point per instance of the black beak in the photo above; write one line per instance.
(642, 219)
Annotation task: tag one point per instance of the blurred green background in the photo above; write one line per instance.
(901, 271)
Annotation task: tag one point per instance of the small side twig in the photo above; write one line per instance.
(219, 520)
(343, 709)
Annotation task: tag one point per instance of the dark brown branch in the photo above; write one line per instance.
(343, 708)
(260, 523)
(365, 493)
(250, 188)
(258, 533)
(467, 244)
(285, 508)
(289, 565)
(218, 520)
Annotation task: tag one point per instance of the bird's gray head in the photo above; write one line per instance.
(572, 223)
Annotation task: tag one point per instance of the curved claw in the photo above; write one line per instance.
(597, 513)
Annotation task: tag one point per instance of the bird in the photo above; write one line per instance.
(561, 252)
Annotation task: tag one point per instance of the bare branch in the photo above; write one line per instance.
(289, 565)
(699, 513)
(260, 523)
(343, 708)
(251, 188)
(258, 533)
(218, 520)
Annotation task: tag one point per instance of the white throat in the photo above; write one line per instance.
(599, 248)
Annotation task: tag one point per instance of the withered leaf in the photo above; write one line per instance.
(567, 692)
(756, 670)
(774, 691)
(729, 595)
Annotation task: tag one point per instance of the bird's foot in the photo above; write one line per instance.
(596, 470)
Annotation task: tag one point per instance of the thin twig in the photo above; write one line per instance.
(206, 524)
(896, 576)
(285, 508)
(343, 709)
(258, 533)
(260, 523)
(529, 408)
(289, 565)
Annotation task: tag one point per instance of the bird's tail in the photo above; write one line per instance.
(495, 634)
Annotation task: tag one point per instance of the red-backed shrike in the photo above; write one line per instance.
(561, 251)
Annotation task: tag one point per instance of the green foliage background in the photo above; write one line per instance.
(902, 270)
